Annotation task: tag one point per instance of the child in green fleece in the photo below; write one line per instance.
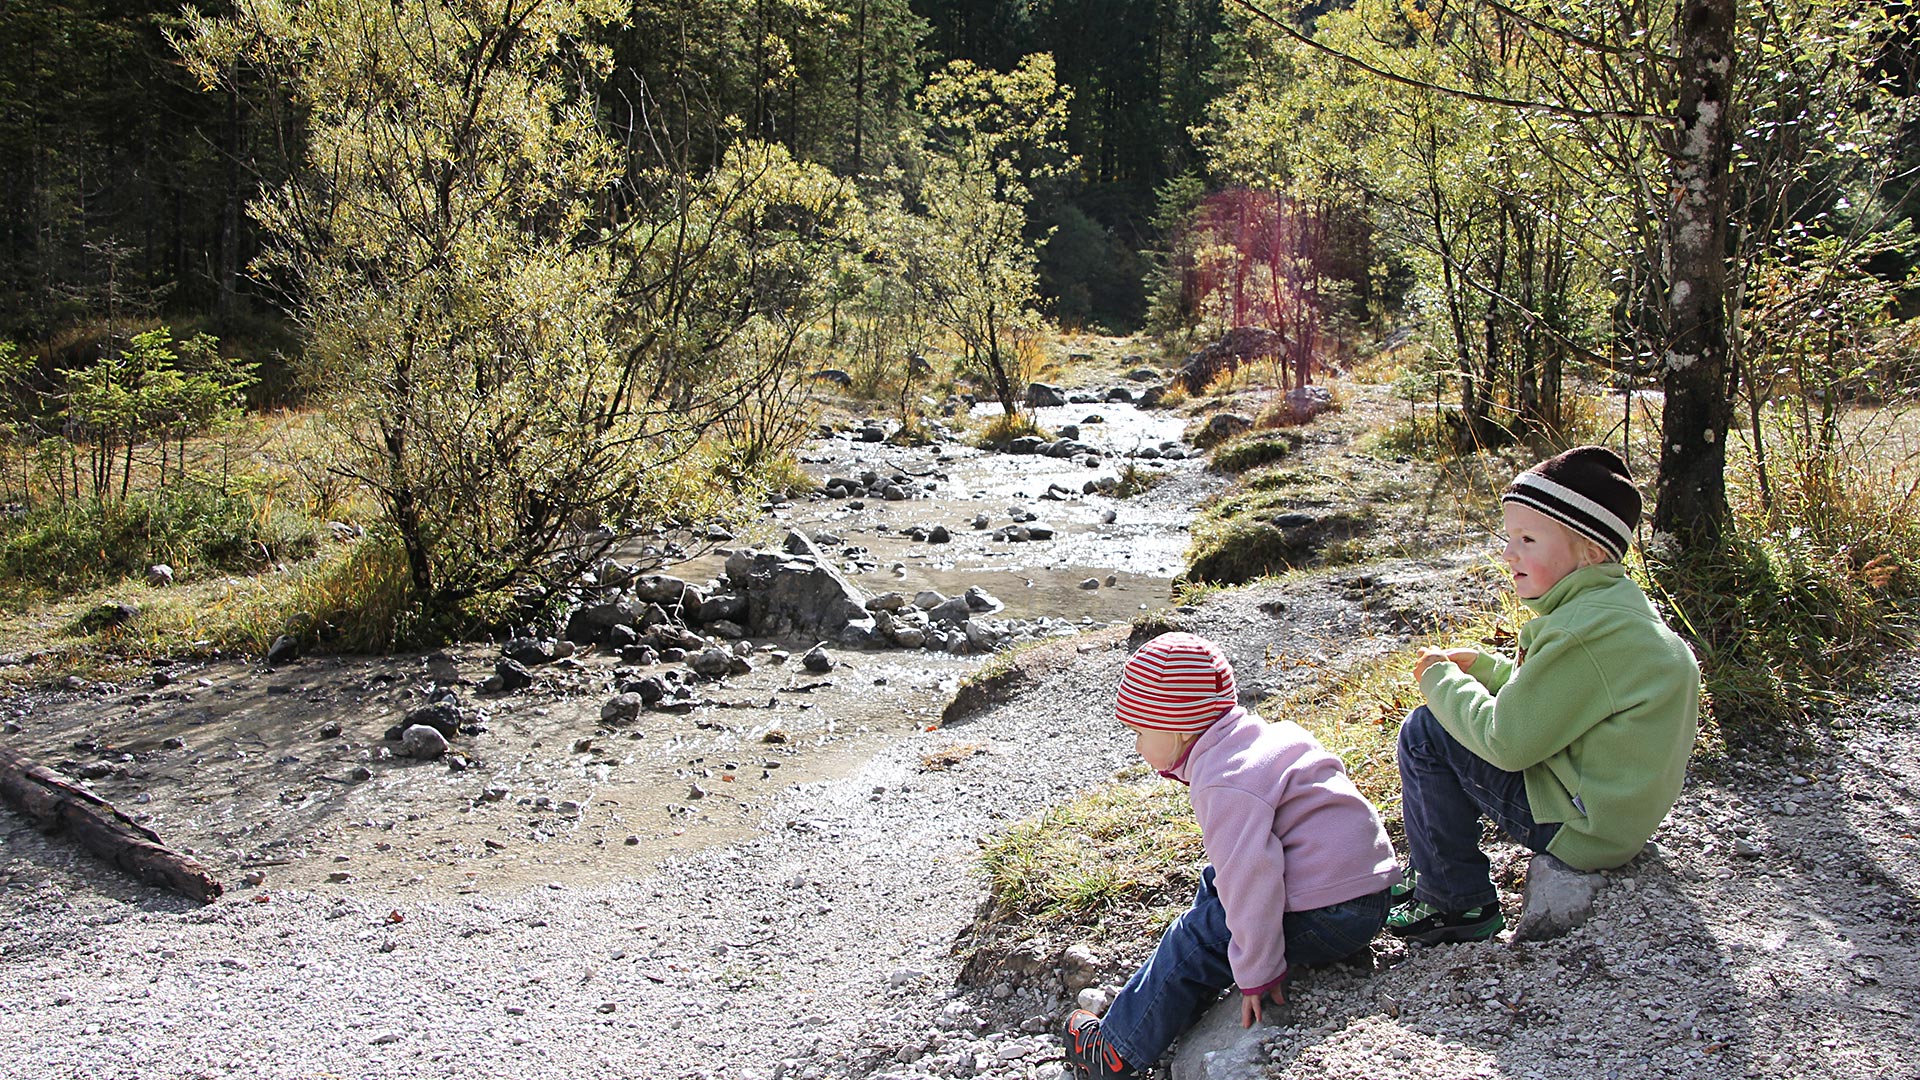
(1577, 747)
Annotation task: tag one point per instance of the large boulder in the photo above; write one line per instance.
(665, 590)
(795, 592)
(1041, 395)
(717, 607)
(588, 625)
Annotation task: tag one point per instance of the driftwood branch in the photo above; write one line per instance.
(55, 803)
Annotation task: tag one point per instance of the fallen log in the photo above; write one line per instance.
(55, 803)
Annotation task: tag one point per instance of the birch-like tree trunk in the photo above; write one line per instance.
(1691, 502)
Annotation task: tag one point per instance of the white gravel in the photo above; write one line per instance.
(1772, 934)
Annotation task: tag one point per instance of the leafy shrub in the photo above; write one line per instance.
(1784, 626)
(1818, 580)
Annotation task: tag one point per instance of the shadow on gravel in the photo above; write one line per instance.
(1615, 999)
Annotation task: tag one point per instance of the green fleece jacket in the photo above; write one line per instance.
(1599, 713)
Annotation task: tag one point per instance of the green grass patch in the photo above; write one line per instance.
(1420, 436)
(59, 550)
(350, 598)
(1131, 848)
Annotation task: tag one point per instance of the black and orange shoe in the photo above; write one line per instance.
(1088, 1054)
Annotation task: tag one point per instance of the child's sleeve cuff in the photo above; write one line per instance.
(1256, 991)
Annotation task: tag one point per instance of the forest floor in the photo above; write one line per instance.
(824, 931)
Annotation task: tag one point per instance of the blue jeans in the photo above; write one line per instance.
(1188, 969)
(1444, 790)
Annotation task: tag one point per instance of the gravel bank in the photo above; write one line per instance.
(1772, 932)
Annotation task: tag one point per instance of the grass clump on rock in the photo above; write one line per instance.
(1262, 529)
(1003, 429)
(1254, 449)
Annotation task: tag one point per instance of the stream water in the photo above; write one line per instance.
(1143, 548)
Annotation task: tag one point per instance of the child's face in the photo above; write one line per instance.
(1540, 551)
(1160, 749)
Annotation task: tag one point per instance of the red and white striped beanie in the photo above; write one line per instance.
(1176, 682)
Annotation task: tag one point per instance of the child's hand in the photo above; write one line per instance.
(1250, 1004)
(1428, 657)
(1460, 658)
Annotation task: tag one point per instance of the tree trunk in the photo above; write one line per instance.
(860, 89)
(233, 204)
(56, 803)
(1691, 503)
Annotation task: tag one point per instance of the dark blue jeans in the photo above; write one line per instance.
(1444, 790)
(1188, 969)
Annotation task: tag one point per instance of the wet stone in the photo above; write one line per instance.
(443, 717)
(712, 662)
(423, 742)
(621, 708)
(284, 649)
(527, 651)
(513, 675)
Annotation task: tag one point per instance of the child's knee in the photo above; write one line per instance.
(1419, 730)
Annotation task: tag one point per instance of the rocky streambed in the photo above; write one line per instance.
(673, 705)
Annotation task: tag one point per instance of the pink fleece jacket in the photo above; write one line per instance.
(1285, 830)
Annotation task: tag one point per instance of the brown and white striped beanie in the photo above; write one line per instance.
(1176, 682)
(1587, 489)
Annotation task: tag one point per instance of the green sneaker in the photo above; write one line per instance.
(1428, 925)
(1403, 892)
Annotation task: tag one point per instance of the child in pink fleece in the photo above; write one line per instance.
(1300, 864)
